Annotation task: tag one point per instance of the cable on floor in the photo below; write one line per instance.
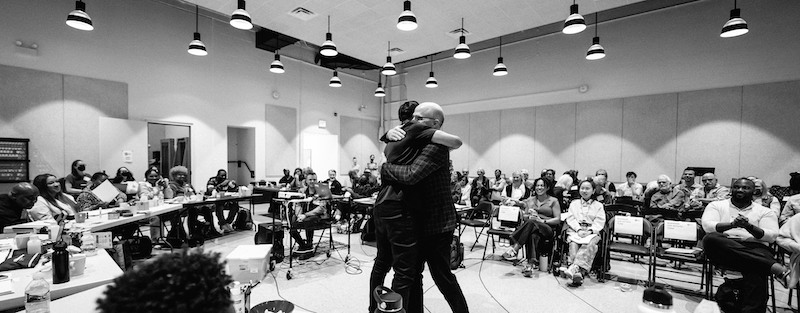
(480, 269)
(278, 290)
(573, 294)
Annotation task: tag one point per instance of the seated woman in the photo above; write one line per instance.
(762, 196)
(153, 188)
(77, 180)
(88, 201)
(123, 175)
(52, 203)
(789, 239)
(541, 216)
(516, 192)
(180, 187)
(585, 220)
(299, 180)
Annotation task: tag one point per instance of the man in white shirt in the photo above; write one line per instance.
(739, 232)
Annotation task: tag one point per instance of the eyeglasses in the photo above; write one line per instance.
(707, 179)
(663, 183)
(421, 118)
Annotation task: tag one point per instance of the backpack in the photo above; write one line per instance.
(265, 235)
(456, 253)
(243, 221)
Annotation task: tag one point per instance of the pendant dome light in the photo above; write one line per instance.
(197, 47)
(431, 82)
(596, 51)
(380, 92)
(500, 69)
(78, 18)
(277, 66)
(240, 18)
(407, 20)
(328, 48)
(735, 26)
(574, 23)
(388, 68)
(335, 82)
(462, 50)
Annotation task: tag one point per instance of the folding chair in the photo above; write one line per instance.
(325, 223)
(683, 238)
(502, 225)
(636, 227)
(479, 218)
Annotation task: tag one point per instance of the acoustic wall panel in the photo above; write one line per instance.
(598, 137)
(555, 137)
(517, 140)
(281, 138)
(458, 124)
(709, 130)
(648, 136)
(484, 138)
(771, 131)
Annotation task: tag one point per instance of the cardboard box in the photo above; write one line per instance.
(248, 262)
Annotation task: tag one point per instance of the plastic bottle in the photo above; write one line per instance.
(89, 244)
(34, 245)
(237, 297)
(60, 263)
(37, 295)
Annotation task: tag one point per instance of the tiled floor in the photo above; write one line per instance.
(329, 284)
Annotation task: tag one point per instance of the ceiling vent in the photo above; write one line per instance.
(457, 32)
(396, 51)
(302, 13)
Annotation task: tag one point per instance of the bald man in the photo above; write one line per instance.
(711, 191)
(428, 198)
(14, 205)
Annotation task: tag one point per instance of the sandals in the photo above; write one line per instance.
(527, 271)
(510, 255)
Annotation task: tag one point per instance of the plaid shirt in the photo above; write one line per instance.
(430, 176)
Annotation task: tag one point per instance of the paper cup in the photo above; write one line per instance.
(77, 264)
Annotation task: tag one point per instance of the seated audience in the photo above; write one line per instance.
(601, 191)
(77, 180)
(789, 239)
(711, 191)
(738, 234)
(217, 185)
(585, 220)
(608, 185)
(286, 180)
(464, 193)
(562, 187)
(14, 205)
(687, 185)
(312, 216)
(180, 187)
(631, 188)
(791, 208)
(334, 185)
(88, 201)
(497, 186)
(526, 178)
(154, 186)
(123, 175)
(516, 192)
(541, 219)
(763, 196)
(51, 203)
(479, 188)
(299, 178)
(372, 166)
(668, 200)
(549, 176)
(186, 281)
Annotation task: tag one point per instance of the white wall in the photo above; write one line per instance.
(143, 44)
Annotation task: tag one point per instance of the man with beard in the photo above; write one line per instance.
(739, 233)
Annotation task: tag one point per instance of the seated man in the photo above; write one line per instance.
(602, 192)
(217, 185)
(739, 232)
(687, 185)
(313, 216)
(479, 188)
(14, 205)
(606, 184)
(186, 281)
(711, 191)
(667, 201)
(334, 185)
(631, 188)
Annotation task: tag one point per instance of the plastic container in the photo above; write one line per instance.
(37, 295)
(60, 263)
(89, 244)
(34, 245)
(237, 297)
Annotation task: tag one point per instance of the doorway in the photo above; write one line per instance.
(241, 154)
(169, 145)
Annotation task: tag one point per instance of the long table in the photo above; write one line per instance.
(100, 270)
(98, 220)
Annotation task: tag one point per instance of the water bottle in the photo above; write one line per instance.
(34, 245)
(60, 263)
(37, 295)
(88, 244)
(237, 297)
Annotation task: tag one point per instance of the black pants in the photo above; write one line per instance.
(435, 250)
(397, 246)
(751, 258)
(219, 211)
(530, 235)
(308, 224)
(195, 228)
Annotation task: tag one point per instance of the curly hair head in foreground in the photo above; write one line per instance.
(186, 281)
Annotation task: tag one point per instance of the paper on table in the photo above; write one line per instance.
(106, 191)
(6, 287)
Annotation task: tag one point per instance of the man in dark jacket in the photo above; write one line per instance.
(14, 205)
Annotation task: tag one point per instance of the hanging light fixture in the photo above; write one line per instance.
(407, 20)
(462, 50)
(380, 92)
(335, 82)
(736, 26)
(276, 66)
(431, 82)
(78, 18)
(328, 48)
(500, 69)
(240, 18)
(388, 68)
(596, 51)
(197, 47)
(574, 23)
